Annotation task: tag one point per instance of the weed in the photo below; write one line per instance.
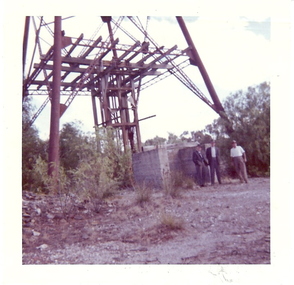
(45, 183)
(92, 183)
(143, 193)
(175, 182)
(171, 184)
(41, 181)
(171, 223)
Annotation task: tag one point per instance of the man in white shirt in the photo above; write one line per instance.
(238, 157)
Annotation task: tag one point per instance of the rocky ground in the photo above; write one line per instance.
(221, 224)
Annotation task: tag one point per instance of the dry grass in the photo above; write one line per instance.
(143, 194)
(176, 182)
(172, 223)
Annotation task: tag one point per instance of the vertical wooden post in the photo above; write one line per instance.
(53, 163)
(25, 43)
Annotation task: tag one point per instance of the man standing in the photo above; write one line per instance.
(238, 157)
(212, 154)
(200, 163)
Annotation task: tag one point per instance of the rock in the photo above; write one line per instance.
(85, 236)
(26, 218)
(50, 216)
(35, 233)
(29, 195)
(78, 217)
(38, 211)
(27, 231)
(42, 246)
(81, 207)
(58, 216)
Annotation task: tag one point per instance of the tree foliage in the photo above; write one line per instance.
(99, 162)
(200, 137)
(249, 112)
(73, 145)
(92, 165)
(156, 141)
(32, 147)
(173, 139)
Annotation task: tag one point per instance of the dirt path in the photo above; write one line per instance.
(221, 224)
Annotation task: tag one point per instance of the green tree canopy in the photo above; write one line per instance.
(32, 146)
(201, 137)
(249, 112)
(72, 145)
(155, 141)
(172, 138)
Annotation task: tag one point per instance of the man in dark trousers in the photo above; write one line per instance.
(200, 163)
(239, 159)
(212, 154)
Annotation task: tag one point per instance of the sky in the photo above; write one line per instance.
(235, 48)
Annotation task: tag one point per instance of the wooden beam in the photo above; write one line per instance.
(108, 64)
(36, 72)
(94, 45)
(75, 44)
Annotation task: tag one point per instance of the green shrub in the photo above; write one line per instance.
(40, 181)
(91, 182)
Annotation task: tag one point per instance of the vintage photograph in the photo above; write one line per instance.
(147, 144)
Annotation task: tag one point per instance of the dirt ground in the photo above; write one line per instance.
(220, 224)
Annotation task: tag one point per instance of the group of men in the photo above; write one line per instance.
(211, 158)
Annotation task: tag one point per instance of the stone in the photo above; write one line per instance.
(42, 246)
(38, 211)
(35, 233)
(50, 216)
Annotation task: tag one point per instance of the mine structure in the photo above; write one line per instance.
(113, 73)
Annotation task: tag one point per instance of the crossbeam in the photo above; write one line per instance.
(113, 73)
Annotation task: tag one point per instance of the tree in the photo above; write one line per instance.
(201, 137)
(72, 145)
(157, 141)
(185, 136)
(32, 147)
(173, 139)
(249, 113)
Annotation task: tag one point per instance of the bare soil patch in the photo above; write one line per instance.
(220, 224)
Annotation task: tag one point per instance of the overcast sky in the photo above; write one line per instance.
(235, 48)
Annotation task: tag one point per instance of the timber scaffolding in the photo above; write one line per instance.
(112, 73)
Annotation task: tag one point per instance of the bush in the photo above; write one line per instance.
(174, 182)
(180, 180)
(39, 179)
(100, 167)
(143, 193)
(91, 183)
(249, 113)
(33, 151)
(171, 223)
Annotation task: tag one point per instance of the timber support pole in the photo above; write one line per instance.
(196, 60)
(53, 162)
